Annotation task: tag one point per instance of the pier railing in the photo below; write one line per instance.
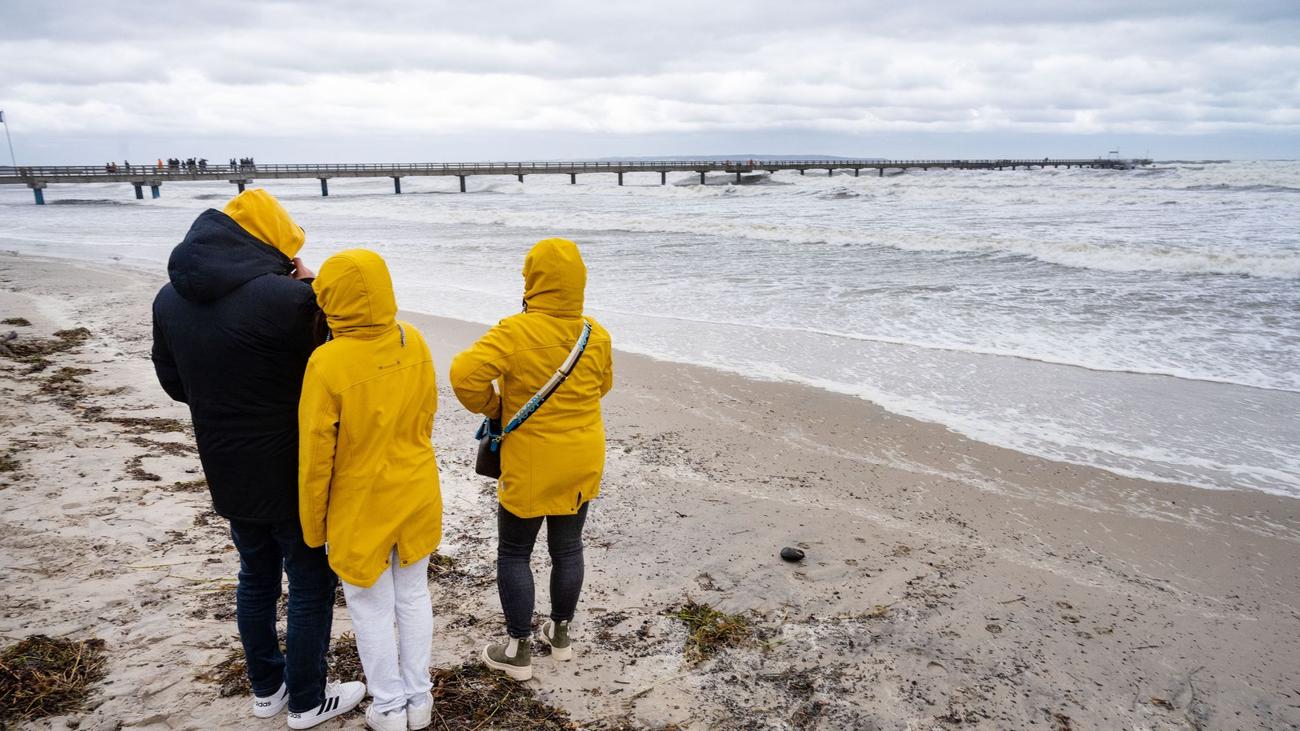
(38, 177)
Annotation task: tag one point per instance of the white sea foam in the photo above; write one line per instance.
(1147, 321)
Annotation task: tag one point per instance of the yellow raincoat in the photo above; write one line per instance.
(260, 214)
(367, 476)
(553, 463)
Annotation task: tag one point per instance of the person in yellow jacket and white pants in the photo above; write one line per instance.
(551, 465)
(368, 479)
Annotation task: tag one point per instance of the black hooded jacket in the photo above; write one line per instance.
(231, 336)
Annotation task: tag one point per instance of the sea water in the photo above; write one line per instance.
(1146, 321)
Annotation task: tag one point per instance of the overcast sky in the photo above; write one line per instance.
(421, 81)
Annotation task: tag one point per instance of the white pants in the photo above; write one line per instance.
(396, 663)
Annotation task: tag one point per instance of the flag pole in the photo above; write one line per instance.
(8, 139)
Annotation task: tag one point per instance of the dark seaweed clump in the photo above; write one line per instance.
(43, 676)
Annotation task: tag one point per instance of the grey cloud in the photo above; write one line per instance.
(331, 69)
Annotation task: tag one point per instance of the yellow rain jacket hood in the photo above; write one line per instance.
(553, 463)
(261, 215)
(367, 474)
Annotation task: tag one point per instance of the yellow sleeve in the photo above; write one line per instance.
(318, 429)
(609, 372)
(474, 370)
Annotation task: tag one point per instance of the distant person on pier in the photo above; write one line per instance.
(232, 333)
(551, 457)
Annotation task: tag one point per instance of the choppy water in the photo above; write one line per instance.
(1146, 321)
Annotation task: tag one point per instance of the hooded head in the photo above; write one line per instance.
(554, 278)
(260, 214)
(355, 292)
(223, 251)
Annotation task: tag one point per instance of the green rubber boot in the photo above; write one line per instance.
(556, 634)
(512, 658)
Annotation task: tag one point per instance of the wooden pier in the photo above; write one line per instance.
(153, 176)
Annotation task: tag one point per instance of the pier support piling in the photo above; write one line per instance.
(324, 187)
(737, 177)
(856, 171)
(521, 177)
(701, 177)
(397, 185)
(663, 177)
(39, 193)
(462, 183)
(801, 171)
(239, 184)
(620, 178)
(881, 171)
(139, 191)
(154, 190)
(573, 178)
(830, 172)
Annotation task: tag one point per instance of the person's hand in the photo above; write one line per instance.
(300, 270)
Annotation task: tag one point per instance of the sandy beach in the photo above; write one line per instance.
(947, 584)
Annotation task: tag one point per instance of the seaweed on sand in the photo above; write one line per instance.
(709, 630)
(231, 674)
(33, 350)
(470, 696)
(43, 676)
(343, 660)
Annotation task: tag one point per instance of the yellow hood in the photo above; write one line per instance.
(260, 214)
(554, 278)
(356, 293)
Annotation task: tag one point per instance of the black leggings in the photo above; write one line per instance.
(515, 539)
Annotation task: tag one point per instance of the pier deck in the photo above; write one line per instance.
(39, 177)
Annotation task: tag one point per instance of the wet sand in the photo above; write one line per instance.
(947, 583)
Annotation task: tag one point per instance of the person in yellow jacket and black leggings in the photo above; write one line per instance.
(552, 464)
(368, 479)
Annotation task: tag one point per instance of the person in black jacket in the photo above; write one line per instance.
(232, 333)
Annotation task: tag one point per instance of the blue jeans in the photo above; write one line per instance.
(266, 551)
(515, 539)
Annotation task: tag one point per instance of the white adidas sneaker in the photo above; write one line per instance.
(272, 704)
(339, 699)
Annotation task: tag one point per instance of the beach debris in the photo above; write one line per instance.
(33, 351)
(136, 424)
(790, 553)
(343, 660)
(709, 630)
(199, 485)
(231, 674)
(447, 572)
(471, 696)
(16, 321)
(136, 471)
(880, 611)
(43, 676)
